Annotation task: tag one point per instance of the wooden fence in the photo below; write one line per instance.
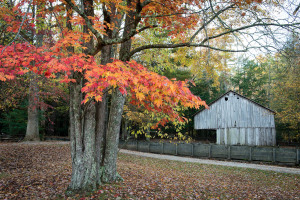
(277, 155)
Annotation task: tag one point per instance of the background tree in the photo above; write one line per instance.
(251, 80)
(285, 90)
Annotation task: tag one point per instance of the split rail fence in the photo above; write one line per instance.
(278, 155)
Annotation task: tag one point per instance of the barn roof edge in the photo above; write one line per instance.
(239, 95)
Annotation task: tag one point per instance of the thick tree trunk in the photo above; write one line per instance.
(115, 116)
(94, 133)
(102, 120)
(82, 124)
(32, 130)
(101, 127)
(82, 132)
(94, 139)
(112, 137)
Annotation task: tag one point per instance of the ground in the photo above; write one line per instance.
(244, 164)
(43, 171)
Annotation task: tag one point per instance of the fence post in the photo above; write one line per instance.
(162, 148)
(176, 151)
(137, 146)
(298, 155)
(274, 155)
(192, 150)
(229, 152)
(250, 154)
(209, 151)
(148, 147)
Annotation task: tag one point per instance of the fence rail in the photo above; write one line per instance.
(277, 155)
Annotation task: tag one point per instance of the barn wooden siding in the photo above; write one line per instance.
(247, 136)
(238, 120)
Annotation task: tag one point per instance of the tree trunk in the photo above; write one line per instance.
(115, 117)
(32, 130)
(101, 127)
(124, 129)
(94, 133)
(112, 137)
(94, 139)
(82, 132)
(102, 120)
(82, 124)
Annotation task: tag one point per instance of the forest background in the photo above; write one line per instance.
(270, 78)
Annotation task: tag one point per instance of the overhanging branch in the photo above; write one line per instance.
(202, 43)
(171, 46)
(210, 20)
(246, 27)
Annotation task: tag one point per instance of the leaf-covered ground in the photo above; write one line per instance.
(43, 172)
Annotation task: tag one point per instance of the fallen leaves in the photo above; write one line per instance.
(35, 171)
(43, 171)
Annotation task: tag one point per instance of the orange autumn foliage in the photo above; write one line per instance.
(155, 92)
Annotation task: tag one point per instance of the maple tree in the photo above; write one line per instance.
(80, 52)
(34, 35)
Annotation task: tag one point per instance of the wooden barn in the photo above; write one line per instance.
(238, 121)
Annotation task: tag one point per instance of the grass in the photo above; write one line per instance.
(44, 171)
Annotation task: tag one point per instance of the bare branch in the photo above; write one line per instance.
(202, 44)
(171, 46)
(210, 20)
(168, 15)
(296, 10)
(247, 27)
(55, 16)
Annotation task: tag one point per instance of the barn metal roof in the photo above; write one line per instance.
(240, 96)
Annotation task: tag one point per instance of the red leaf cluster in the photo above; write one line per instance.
(156, 93)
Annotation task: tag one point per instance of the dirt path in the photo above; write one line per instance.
(216, 162)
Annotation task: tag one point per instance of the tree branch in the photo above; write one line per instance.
(168, 15)
(202, 44)
(145, 3)
(18, 33)
(88, 22)
(132, 30)
(210, 20)
(171, 46)
(246, 27)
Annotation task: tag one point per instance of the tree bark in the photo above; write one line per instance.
(101, 120)
(82, 132)
(32, 130)
(112, 137)
(94, 127)
(115, 116)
